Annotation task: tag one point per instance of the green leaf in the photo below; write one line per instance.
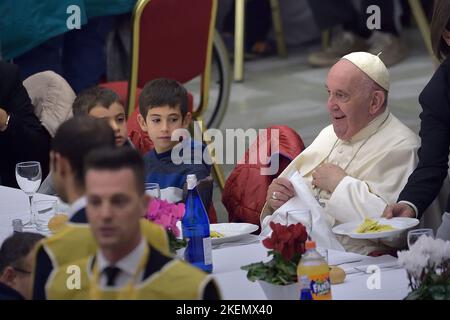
(276, 271)
(438, 292)
(175, 243)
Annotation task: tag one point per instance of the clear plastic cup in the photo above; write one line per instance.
(43, 211)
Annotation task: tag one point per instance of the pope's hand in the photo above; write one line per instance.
(399, 210)
(279, 192)
(327, 177)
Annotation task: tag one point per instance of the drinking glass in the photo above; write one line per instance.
(44, 210)
(152, 189)
(323, 252)
(303, 216)
(414, 235)
(29, 176)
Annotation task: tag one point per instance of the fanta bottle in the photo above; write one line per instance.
(317, 270)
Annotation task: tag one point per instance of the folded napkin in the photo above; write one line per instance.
(304, 199)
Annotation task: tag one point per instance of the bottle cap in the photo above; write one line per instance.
(191, 181)
(310, 245)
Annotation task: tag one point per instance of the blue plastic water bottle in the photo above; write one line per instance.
(195, 227)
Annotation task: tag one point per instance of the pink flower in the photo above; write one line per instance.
(166, 214)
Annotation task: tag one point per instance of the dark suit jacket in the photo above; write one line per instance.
(25, 139)
(8, 293)
(425, 182)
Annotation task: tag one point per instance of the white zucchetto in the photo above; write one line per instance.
(372, 66)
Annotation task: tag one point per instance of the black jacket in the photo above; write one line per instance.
(426, 181)
(25, 139)
(8, 293)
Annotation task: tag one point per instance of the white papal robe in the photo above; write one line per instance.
(378, 161)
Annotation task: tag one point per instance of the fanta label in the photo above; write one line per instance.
(320, 286)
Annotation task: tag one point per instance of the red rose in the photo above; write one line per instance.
(287, 240)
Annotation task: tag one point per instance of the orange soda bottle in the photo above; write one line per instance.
(313, 265)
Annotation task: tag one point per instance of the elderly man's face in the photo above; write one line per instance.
(348, 99)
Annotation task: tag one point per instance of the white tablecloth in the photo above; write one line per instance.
(234, 284)
(227, 261)
(14, 204)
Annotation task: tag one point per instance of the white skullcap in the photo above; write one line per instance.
(372, 66)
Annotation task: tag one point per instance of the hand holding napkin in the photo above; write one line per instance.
(304, 199)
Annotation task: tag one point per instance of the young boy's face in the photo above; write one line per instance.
(115, 115)
(160, 123)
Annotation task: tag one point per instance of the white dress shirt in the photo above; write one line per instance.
(128, 266)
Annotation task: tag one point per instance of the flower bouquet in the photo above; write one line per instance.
(287, 244)
(428, 265)
(167, 215)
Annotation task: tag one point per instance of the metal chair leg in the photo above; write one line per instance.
(239, 23)
(219, 175)
(422, 23)
(278, 28)
(326, 39)
(217, 168)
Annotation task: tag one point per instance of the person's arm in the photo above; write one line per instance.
(31, 141)
(425, 182)
(355, 199)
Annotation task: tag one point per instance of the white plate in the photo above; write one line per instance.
(231, 231)
(399, 225)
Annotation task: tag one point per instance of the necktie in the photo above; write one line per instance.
(111, 273)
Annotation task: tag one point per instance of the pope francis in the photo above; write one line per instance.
(360, 163)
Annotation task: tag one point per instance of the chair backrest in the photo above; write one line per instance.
(245, 190)
(52, 98)
(172, 39)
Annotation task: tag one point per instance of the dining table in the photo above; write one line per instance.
(391, 282)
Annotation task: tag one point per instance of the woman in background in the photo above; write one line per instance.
(426, 181)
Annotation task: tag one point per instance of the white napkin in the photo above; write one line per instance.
(304, 199)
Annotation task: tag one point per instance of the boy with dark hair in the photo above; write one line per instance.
(16, 265)
(103, 103)
(126, 264)
(163, 107)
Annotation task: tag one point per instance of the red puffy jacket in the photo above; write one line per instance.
(245, 190)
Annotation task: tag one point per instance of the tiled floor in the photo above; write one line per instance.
(288, 91)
